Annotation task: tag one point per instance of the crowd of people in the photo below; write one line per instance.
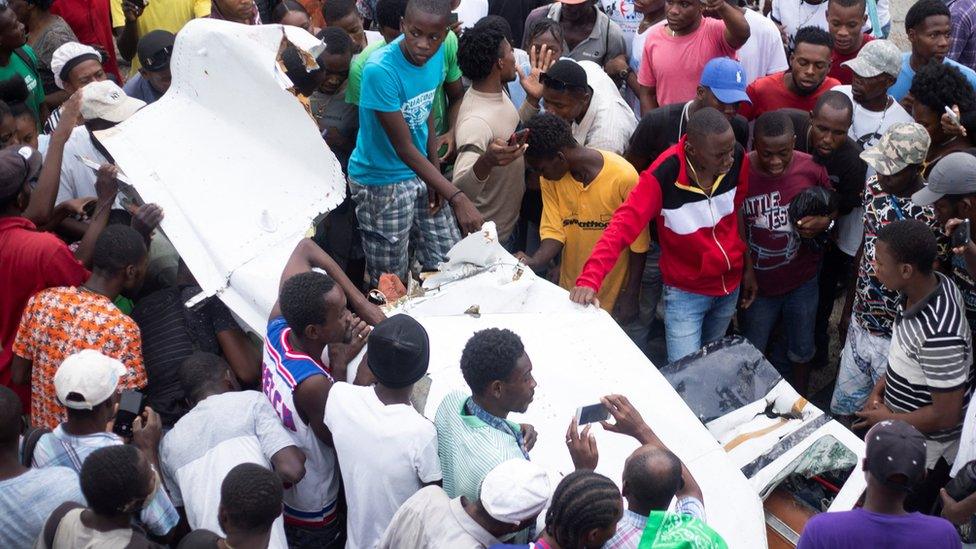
(706, 166)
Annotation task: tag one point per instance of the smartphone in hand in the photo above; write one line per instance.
(592, 414)
(519, 138)
(960, 235)
(131, 404)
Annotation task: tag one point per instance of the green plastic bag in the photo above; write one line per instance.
(666, 530)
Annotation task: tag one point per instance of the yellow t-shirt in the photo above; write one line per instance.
(576, 216)
(169, 15)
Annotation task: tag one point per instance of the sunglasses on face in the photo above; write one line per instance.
(559, 85)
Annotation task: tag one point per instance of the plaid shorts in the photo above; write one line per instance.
(392, 217)
(862, 363)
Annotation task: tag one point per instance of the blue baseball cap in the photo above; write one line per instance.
(727, 80)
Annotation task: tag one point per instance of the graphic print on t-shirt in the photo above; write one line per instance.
(416, 109)
(765, 212)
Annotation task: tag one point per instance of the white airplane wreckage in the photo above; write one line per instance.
(242, 172)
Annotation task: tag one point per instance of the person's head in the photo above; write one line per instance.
(27, 9)
(117, 480)
(203, 374)
(238, 11)
(722, 86)
(290, 12)
(15, 94)
(682, 15)
(8, 127)
(652, 476)
(497, 369)
(565, 91)
(544, 33)
(10, 419)
(875, 69)
(710, 143)
(512, 495)
(104, 104)
(845, 19)
(13, 34)
(936, 86)
(19, 170)
(645, 7)
(304, 81)
(928, 28)
(483, 53)
(389, 14)
(904, 254)
(76, 65)
(773, 140)
(86, 383)
(499, 24)
(584, 511)
(398, 352)
(894, 457)
(344, 15)
(830, 122)
(810, 60)
(334, 61)
(951, 188)
(550, 137)
(424, 28)
(576, 10)
(250, 500)
(120, 255)
(314, 307)
(155, 50)
(897, 158)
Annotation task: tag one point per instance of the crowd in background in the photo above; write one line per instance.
(694, 168)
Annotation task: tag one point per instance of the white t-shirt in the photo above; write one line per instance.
(218, 434)
(796, 14)
(610, 121)
(622, 13)
(866, 129)
(77, 179)
(763, 53)
(471, 11)
(386, 454)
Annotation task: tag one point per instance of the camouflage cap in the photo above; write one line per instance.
(903, 145)
(876, 57)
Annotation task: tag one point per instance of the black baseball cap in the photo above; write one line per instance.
(18, 165)
(155, 50)
(398, 351)
(895, 454)
(565, 74)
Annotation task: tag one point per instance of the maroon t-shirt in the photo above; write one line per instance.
(781, 260)
(844, 74)
(770, 93)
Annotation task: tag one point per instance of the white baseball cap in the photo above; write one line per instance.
(86, 379)
(67, 57)
(107, 101)
(515, 491)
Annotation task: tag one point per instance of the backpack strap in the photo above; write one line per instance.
(28, 60)
(31, 437)
(54, 521)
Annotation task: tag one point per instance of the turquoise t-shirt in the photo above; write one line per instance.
(904, 83)
(391, 83)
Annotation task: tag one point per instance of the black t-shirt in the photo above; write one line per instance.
(663, 127)
(170, 334)
(200, 539)
(845, 169)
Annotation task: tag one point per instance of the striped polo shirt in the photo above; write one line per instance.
(468, 447)
(931, 351)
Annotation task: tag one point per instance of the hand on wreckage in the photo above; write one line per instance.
(467, 215)
(873, 412)
(584, 296)
(147, 218)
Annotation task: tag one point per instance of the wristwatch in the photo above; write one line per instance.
(622, 75)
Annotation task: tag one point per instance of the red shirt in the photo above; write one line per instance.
(770, 93)
(91, 21)
(701, 248)
(30, 261)
(843, 74)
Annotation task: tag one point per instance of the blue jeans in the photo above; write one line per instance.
(650, 294)
(692, 321)
(798, 309)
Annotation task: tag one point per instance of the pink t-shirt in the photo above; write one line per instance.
(673, 64)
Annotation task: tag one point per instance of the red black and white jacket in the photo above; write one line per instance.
(701, 248)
